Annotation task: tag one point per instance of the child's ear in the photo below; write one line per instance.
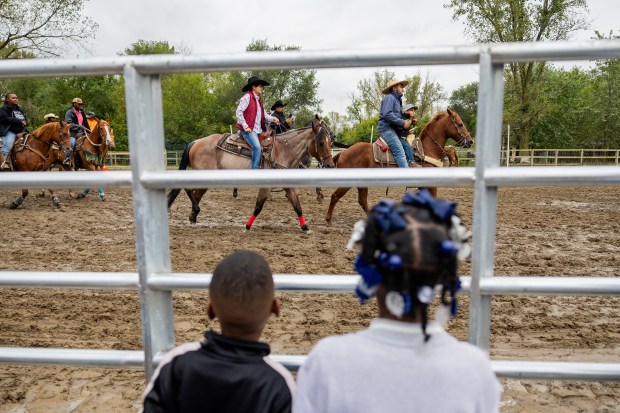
(275, 307)
(210, 312)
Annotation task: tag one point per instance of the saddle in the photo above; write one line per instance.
(20, 142)
(382, 153)
(235, 144)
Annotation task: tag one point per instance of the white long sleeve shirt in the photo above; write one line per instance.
(244, 102)
(389, 368)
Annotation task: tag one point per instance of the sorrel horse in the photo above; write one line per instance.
(444, 126)
(286, 152)
(37, 151)
(91, 151)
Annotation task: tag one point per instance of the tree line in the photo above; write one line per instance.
(545, 105)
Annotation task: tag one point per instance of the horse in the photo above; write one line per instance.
(285, 152)
(434, 135)
(91, 151)
(450, 158)
(306, 161)
(37, 151)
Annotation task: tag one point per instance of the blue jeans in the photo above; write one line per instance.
(252, 139)
(395, 145)
(408, 150)
(7, 143)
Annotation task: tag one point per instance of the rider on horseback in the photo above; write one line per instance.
(278, 112)
(12, 121)
(77, 119)
(251, 116)
(391, 122)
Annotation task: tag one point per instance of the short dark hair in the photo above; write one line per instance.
(6, 97)
(242, 276)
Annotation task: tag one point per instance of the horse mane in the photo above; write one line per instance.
(44, 128)
(432, 122)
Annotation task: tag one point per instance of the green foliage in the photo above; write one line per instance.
(521, 21)
(360, 132)
(144, 47)
(42, 27)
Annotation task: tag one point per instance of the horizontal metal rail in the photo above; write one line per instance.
(135, 359)
(313, 59)
(309, 178)
(499, 285)
(556, 176)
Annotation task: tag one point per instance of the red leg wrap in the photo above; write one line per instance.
(302, 221)
(250, 221)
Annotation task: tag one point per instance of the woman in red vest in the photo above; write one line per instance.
(251, 116)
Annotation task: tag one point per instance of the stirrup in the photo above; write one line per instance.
(5, 165)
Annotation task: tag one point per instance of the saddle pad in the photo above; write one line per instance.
(382, 157)
(237, 140)
(231, 143)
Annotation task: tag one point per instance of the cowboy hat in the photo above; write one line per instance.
(277, 104)
(77, 100)
(409, 106)
(90, 115)
(50, 115)
(254, 81)
(393, 83)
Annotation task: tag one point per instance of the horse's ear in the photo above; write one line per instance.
(449, 112)
(317, 117)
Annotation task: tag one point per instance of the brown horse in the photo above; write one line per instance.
(287, 151)
(37, 151)
(91, 151)
(434, 135)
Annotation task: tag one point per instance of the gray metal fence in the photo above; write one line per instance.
(149, 180)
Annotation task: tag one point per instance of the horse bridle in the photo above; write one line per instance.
(460, 143)
(460, 133)
(319, 136)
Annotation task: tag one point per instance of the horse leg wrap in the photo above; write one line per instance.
(55, 200)
(302, 223)
(17, 202)
(101, 194)
(248, 224)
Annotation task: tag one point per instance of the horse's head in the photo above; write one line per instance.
(458, 131)
(56, 134)
(107, 134)
(321, 148)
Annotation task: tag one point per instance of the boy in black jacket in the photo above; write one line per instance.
(231, 371)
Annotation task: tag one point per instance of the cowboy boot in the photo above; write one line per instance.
(413, 164)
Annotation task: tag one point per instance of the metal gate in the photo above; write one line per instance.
(149, 180)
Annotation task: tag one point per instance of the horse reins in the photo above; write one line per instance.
(443, 150)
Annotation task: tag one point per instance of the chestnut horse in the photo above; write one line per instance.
(91, 151)
(434, 135)
(37, 151)
(286, 151)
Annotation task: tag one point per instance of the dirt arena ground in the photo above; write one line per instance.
(541, 231)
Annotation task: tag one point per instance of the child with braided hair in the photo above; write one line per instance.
(403, 362)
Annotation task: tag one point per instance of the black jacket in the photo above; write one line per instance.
(11, 119)
(221, 374)
(282, 126)
(71, 117)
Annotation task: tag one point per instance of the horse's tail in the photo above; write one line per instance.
(172, 195)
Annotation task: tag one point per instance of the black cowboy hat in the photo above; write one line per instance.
(254, 81)
(277, 104)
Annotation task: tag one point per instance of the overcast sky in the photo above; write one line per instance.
(229, 26)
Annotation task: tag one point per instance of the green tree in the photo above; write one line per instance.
(521, 21)
(607, 93)
(297, 88)
(361, 131)
(43, 27)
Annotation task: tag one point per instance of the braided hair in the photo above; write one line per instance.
(410, 248)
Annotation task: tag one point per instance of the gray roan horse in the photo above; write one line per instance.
(285, 152)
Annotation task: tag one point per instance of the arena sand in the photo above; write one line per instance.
(541, 231)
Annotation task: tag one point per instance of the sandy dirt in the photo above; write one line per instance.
(541, 231)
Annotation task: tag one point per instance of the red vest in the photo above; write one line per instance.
(250, 113)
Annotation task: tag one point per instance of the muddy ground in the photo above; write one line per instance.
(541, 231)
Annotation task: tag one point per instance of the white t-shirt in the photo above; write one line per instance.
(389, 368)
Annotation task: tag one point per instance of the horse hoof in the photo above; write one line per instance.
(305, 228)
(102, 198)
(319, 199)
(81, 195)
(13, 205)
(247, 228)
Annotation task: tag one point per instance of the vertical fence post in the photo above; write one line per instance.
(489, 127)
(556, 157)
(146, 142)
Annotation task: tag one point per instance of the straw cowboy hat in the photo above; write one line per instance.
(277, 104)
(254, 81)
(393, 83)
(77, 100)
(50, 115)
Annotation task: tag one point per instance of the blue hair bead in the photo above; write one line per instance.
(448, 247)
(395, 262)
